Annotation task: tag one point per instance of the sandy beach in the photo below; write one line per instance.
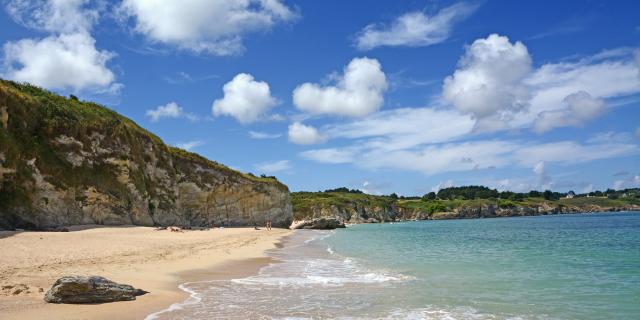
(155, 261)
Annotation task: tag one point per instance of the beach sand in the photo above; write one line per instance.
(155, 261)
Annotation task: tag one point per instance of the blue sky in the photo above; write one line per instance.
(383, 96)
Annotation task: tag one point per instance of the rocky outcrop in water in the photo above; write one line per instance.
(318, 223)
(94, 289)
(64, 162)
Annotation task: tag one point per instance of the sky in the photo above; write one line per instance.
(382, 96)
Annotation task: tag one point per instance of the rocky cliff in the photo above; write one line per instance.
(363, 208)
(63, 161)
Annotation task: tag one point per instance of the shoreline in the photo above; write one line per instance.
(155, 261)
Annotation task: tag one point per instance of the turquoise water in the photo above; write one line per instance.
(567, 267)
(546, 267)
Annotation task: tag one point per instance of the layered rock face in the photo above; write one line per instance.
(354, 213)
(66, 162)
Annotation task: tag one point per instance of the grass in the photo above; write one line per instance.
(38, 116)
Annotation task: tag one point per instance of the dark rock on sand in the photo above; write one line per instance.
(318, 223)
(93, 289)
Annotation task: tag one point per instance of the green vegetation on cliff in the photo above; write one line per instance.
(455, 200)
(304, 202)
(78, 150)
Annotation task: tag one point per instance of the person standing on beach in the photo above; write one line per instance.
(268, 224)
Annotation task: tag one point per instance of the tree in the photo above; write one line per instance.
(534, 194)
(429, 196)
(547, 195)
(393, 196)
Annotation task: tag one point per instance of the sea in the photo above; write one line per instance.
(577, 266)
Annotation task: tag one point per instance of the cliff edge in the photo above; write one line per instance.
(65, 161)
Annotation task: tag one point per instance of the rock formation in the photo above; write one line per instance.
(318, 223)
(363, 208)
(94, 289)
(64, 162)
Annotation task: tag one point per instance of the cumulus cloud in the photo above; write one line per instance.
(273, 167)
(66, 60)
(581, 107)
(358, 92)
(263, 135)
(414, 29)
(204, 26)
(190, 144)
(488, 81)
(497, 85)
(170, 110)
(303, 134)
(245, 99)
(607, 75)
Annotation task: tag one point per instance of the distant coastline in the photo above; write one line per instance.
(353, 207)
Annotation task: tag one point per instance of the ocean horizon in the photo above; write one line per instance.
(577, 266)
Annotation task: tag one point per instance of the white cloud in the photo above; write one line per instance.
(631, 182)
(581, 107)
(611, 137)
(488, 81)
(570, 152)
(496, 84)
(170, 110)
(263, 135)
(57, 16)
(331, 155)
(273, 167)
(544, 180)
(205, 26)
(608, 75)
(190, 144)
(244, 99)
(414, 29)
(538, 168)
(303, 134)
(406, 127)
(67, 61)
(443, 185)
(358, 92)
(432, 159)
(637, 57)
(374, 188)
(473, 155)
